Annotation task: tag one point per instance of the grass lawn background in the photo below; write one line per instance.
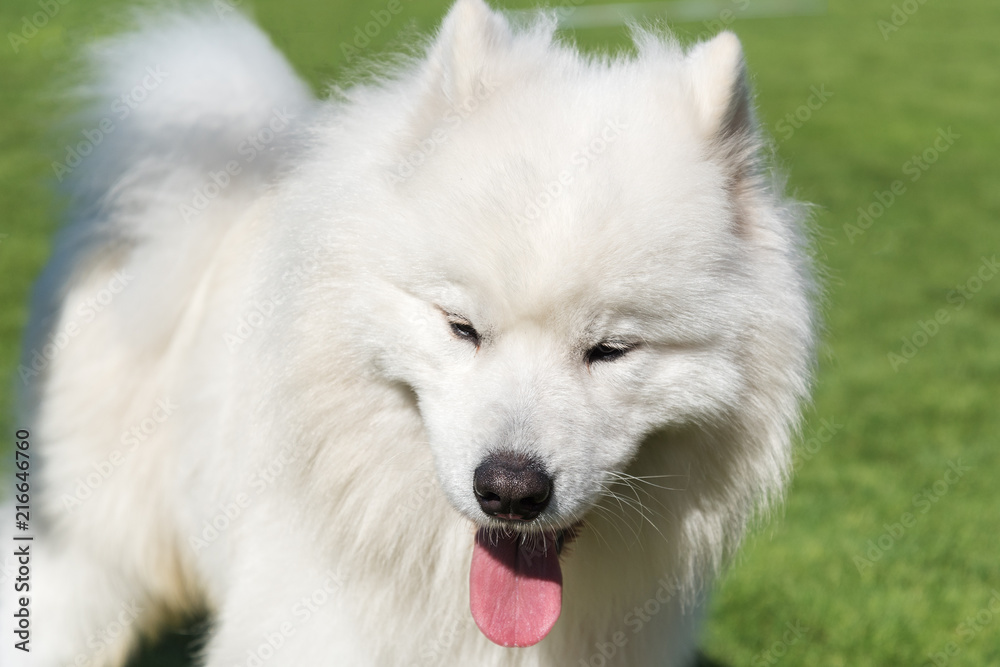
(879, 440)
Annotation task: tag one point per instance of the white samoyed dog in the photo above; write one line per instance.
(487, 360)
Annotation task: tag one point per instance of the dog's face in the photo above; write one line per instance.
(562, 381)
(577, 275)
(565, 343)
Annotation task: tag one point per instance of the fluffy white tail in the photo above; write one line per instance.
(173, 105)
(187, 119)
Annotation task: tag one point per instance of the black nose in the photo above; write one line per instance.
(510, 485)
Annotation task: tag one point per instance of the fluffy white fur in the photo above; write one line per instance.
(284, 355)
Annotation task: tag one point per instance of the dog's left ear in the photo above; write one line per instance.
(461, 56)
(460, 71)
(718, 76)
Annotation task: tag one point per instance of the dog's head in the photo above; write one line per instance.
(575, 255)
(589, 253)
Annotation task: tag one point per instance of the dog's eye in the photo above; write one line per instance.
(465, 331)
(608, 351)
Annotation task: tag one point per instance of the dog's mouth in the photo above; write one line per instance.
(515, 583)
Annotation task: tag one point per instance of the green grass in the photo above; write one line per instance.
(896, 430)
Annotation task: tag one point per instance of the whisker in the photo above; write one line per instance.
(591, 527)
(624, 514)
(609, 492)
(637, 505)
(626, 478)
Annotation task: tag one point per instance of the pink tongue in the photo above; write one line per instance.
(515, 591)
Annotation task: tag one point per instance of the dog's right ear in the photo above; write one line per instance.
(725, 119)
(460, 60)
